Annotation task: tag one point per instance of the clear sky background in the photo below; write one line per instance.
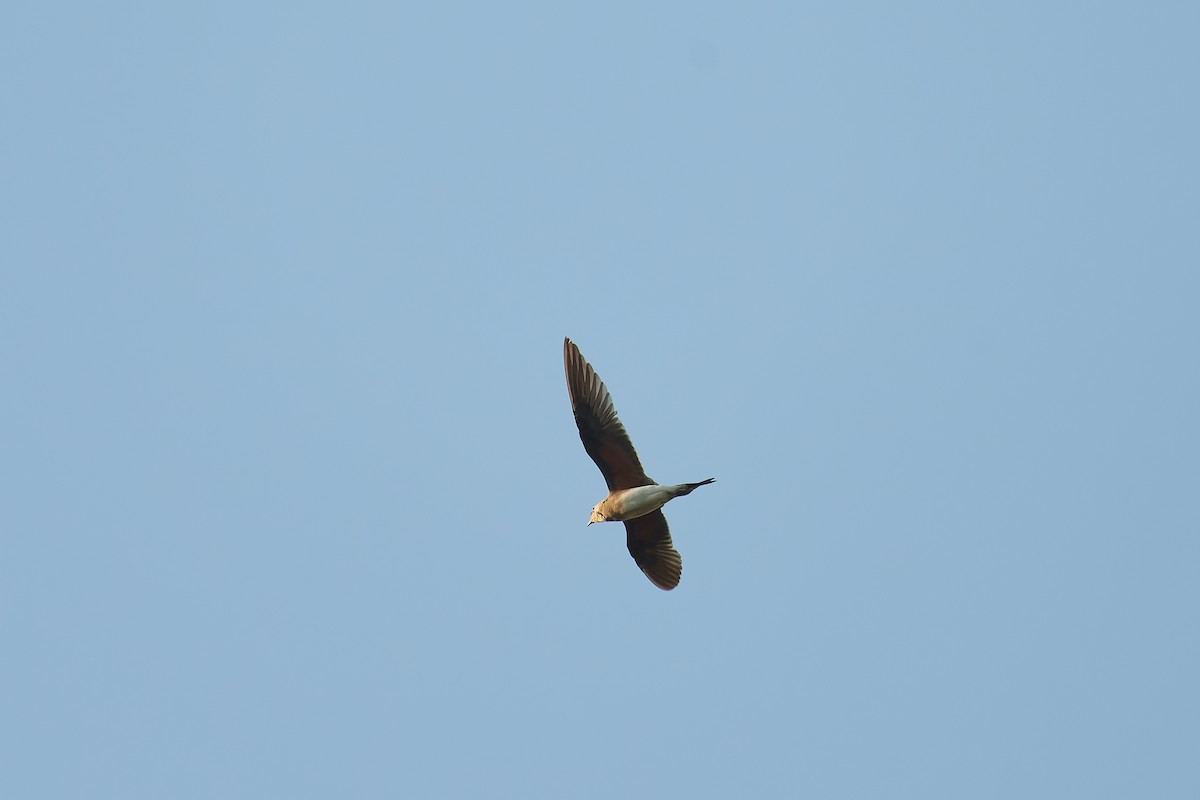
(291, 497)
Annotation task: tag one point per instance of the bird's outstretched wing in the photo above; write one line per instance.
(603, 435)
(649, 542)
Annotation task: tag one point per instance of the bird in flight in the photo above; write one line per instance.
(632, 497)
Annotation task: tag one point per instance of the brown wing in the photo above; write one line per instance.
(649, 542)
(603, 435)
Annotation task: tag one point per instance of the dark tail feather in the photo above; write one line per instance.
(688, 487)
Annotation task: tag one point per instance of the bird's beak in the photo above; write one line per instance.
(590, 521)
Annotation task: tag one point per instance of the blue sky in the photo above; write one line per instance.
(293, 504)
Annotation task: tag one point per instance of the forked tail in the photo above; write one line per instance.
(686, 488)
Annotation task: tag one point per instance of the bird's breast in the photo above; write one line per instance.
(638, 501)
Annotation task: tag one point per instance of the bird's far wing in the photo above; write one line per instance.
(603, 435)
(649, 542)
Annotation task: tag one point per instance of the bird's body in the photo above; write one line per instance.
(633, 498)
(626, 504)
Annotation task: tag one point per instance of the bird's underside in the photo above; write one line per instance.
(646, 532)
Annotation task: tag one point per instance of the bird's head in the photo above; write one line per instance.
(597, 515)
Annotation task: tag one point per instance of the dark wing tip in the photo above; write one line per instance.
(649, 542)
(600, 430)
(665, 572)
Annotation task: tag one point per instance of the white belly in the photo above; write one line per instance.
(639, 501)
